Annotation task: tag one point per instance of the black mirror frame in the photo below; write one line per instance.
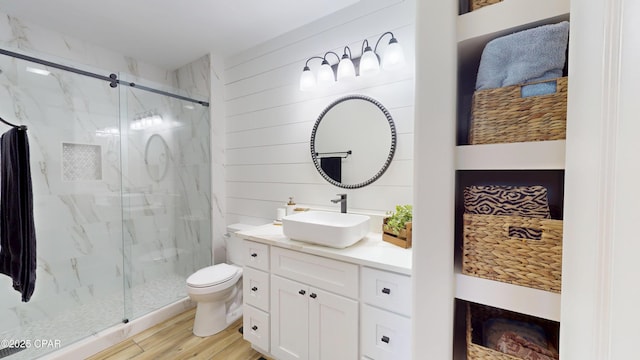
(392, 151)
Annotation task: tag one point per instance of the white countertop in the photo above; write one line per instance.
(370, 251)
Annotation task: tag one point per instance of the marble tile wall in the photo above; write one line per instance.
(93, 235)
(78, 223)
(167, 220)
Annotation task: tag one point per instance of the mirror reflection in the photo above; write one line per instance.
(156, 157)
(353, 141)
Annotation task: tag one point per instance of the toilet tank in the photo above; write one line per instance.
(234, 243)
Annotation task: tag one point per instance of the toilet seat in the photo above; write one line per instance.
(212, 275)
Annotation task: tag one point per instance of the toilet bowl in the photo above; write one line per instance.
(217, 289)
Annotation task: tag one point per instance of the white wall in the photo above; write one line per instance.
(600, 294)
(269, 120)
(433, 220)
(218, 141)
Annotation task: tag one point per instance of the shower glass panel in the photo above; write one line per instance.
(166, 195)
(122, 202)
(73, 124)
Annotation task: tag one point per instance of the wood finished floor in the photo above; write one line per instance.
(173, 339)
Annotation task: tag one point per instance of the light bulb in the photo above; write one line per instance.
(393, 57)
(307, 80)
(369, 64)
(325, 75)
(346, 70)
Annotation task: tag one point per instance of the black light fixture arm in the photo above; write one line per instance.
(344, 55)
(306, 64)
(375, 49)
(331, 52)
(363, 48)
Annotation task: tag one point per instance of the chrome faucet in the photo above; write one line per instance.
(342, 201)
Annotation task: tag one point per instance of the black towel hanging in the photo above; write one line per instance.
(18, 258)
(19, 127)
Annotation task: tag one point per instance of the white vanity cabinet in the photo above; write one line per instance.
(256, 290)
(309, 321)
(325, 303)
(386, 315)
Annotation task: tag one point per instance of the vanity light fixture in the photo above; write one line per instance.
(38, 71)
(326, 77)
(346, 69)
(368, 64)
(145, 120)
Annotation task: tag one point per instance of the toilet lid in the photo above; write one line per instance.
(212, 275)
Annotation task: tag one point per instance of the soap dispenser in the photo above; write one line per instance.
(290, 206)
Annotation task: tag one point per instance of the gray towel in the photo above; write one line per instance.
(526, 56)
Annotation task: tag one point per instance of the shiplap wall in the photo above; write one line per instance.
(269, 120)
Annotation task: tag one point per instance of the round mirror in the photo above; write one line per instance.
(156, 157)
(353, 141)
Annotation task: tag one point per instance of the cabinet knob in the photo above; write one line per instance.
(302, 292)
(254, 289)
(313, 295)
(254, 255)
(254, 328)
(386, 291)
(385, 339)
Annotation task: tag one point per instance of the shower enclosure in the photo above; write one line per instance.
(122, 202)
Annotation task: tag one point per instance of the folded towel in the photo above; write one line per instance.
(525, 56)
(545, 88)
(494, 328)
(511, 343)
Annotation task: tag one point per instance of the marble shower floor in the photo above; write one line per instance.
(91, 318)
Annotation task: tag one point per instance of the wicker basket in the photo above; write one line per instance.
(478, 314)
(477, 4)
(489, 252)
(502, 115)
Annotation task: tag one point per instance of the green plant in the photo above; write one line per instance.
(397, 220)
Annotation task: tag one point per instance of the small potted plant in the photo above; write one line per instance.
(396, 227)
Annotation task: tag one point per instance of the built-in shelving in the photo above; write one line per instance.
(474, 30)
(514, 156)
(521, 299)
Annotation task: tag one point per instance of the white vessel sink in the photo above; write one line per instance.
(326, 228)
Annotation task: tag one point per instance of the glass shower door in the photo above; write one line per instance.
(75, 168)
(166, 196)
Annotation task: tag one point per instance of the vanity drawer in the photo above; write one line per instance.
(384, 335)
(332, 275)
(387, 290)
(256, 255)
(255, 327)
(255, 286)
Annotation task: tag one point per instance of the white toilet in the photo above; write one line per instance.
(217, 289)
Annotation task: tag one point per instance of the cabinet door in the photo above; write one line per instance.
(255, 285)
(256, 327)
(289, 319)
(333, 332)
(385, 335)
